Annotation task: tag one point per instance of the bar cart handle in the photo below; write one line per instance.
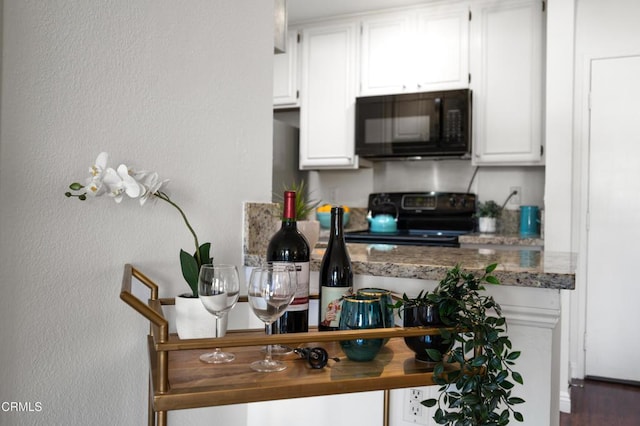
(145, 309)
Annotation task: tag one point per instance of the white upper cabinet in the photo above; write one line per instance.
(507, 45)
(385, 54)
(415, 50)
(286, 68)
(328, 92)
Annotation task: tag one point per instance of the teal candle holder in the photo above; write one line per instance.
(361, 312)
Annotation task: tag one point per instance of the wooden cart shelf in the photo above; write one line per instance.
(178, 379)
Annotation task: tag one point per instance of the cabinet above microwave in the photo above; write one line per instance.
(427, 124)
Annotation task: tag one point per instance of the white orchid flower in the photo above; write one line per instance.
(151, 185)
(94, 182)
(120, 182)
(143, 185)
(97, 170)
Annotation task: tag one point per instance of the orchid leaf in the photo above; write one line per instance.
(204, 254)
(190, 271)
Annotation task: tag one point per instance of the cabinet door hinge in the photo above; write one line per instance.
(469, 78)
(469, 15)
(544, 6)
(299, 38)
(541, 150)
(297, 94)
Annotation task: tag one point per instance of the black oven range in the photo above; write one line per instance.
(427, 218)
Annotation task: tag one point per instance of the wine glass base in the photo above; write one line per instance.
(217, 357)
(265, 366)
(279, 350)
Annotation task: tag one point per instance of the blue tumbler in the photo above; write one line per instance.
(529, 222)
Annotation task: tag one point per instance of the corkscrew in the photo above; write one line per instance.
(316, 357)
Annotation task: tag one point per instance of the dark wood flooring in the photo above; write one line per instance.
(598, 403)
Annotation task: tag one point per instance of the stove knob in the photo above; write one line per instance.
(452, 202)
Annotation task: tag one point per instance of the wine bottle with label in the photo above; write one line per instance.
(336, 276)
(289, 247)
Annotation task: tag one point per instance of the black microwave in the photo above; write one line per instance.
(427, 124)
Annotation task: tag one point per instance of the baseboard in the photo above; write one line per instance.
(565, 401)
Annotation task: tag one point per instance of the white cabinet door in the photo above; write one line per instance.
(385, 54)
(441, 51)
(507, 43)
(415, 50)
(327, 104)
(285, 74)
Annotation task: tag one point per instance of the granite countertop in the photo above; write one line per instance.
(508, 239)
(518, 266)
(523, 268)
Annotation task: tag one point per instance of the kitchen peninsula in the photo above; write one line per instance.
(529, 294)
(525, 268)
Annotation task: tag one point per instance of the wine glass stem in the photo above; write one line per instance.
(216, 350)
(268, 354)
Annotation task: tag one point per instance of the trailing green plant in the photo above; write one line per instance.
(422, 299)
(304, 206)
(489, 209)
(478, 391)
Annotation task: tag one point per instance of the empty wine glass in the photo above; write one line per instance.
(271, 290)
(276, 326)
(218, 288)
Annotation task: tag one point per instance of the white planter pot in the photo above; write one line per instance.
(487, 224)
(311, 231)
(193, 321)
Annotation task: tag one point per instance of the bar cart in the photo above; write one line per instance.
(179, 380)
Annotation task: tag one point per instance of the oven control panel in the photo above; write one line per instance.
(422, 202)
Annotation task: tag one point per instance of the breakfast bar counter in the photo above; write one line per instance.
(523, 268)
(521, 263)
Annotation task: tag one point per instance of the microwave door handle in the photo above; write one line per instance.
(438, 119)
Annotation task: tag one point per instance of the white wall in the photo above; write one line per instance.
(179, 87)
(558, 195)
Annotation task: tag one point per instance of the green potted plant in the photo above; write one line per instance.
(304, 205)
(307, 225)
(488, 213)
(479, 390)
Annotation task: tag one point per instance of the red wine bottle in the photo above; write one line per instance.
(288, 246)
(336, 276)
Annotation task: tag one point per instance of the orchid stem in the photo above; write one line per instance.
(166, 198)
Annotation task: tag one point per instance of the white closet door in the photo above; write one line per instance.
(613, 283)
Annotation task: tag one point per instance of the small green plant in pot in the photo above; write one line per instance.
(489, 209)
(307, 225)
(488, 214)
(304, 206)
(478, 391)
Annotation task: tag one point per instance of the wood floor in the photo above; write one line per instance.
(596, 403)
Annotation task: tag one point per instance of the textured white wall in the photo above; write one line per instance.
(179, 87)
